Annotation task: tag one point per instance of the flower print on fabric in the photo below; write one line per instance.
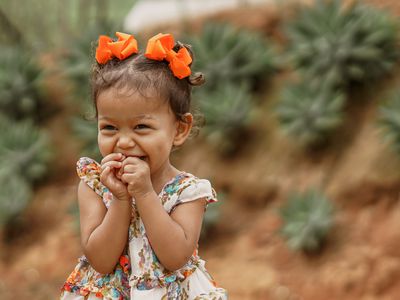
(148, 274)
(85, 280)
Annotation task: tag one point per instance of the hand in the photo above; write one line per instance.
(110, 165)
(136, 174)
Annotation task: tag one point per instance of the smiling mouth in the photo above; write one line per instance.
(140, 157)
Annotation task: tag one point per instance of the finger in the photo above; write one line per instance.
(104, 175)
(113, 156)
(108, 178)
(108, 175)
(128, 178)
(132, 160)
(112, 165)
(116, 187)
(128, 169)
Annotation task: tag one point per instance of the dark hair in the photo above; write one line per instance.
(140, 74)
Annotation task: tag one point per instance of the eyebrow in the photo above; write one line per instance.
(139, 117)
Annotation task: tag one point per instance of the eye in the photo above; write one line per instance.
(108, 127)
(142, 126)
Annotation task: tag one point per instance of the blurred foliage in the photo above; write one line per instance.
(228, 113)
(389, 120)
(307, 219)
(24, 158)
(42, 27)
(227, 54)
(22, 93)
(77, 61)
(15, 195)
(333, 45)
(234, 61)
(51, 23)
(77, 66)
(336, 45)
(24, 150)
(86, 131)
(310, 115)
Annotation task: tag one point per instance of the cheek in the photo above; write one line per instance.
(158, 145)
(105, 145)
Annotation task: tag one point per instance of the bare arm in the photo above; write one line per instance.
(173, 237)
(104, 232)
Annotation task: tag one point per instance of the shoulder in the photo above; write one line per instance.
(89, 172)
(187, 188)
(87, 167)
(92, 194)
(194, 187)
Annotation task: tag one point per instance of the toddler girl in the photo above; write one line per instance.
(140, 216)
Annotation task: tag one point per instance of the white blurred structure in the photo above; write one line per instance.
(150, 13)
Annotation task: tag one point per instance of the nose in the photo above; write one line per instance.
(125, 142)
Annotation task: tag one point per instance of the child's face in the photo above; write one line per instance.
(136, 126)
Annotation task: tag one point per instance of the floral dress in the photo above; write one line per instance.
(149, 279)
(142, 276)
(84, 282)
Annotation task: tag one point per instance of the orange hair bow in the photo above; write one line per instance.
(123, 48)
(159, 47)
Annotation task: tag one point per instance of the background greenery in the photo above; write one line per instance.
(328, 54)
(330, 48)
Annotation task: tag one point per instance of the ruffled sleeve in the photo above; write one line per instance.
(89, 172)
(193, 189)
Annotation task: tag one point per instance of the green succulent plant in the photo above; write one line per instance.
(86, 132)
(21, 85)
(338, 46)
(24, 158)
(15, 195)
(225, 53)
(310, 115)
(389, 120)
(227, 113)
(307, 220)
(24, 150)
(78, 60)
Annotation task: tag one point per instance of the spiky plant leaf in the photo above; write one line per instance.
(225, 53)
(21, 84)
(15, 195)
(307, 219)
(78, 60)
(86, 131)
(227, 114)
(389, 120)
(24, 149)
(336, 45)
(310, 115)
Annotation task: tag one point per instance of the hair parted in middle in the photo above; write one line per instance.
(138, 74)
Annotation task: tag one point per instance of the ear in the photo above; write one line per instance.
(183, 129)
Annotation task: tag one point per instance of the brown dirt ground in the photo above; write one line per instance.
(244, 252)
